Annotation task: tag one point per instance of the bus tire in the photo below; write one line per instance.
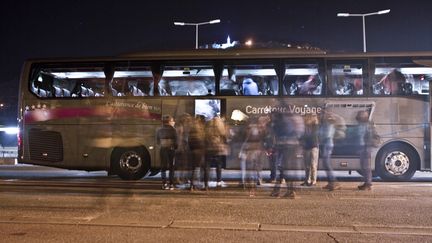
(396, 162)
(130, 163)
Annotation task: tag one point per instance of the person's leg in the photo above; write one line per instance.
(243, 167)
(307, 166)
(171, 168)
(314, 165)
(278, 161)
(191, 167)
(332, 184)
(272, 161)
(291, 162)
(218, 160)
(366, 167)
(164, 164)
(327, 163)
(258, 166)
(205, 168)
(280, 166)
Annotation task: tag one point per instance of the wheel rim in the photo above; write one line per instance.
(131, 162)
(397, 163)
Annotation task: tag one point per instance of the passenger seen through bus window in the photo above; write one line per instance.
(310, 86)
(302, 79)
(250, 87)
(392, 83)
(346, 79)
(248, 80)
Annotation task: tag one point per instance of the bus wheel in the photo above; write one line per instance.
(396, 162)
(130, 163)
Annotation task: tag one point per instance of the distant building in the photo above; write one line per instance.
(226, 45)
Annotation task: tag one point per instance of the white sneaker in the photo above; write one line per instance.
(259, 182)
(221, 184)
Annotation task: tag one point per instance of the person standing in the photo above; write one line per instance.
(310, 149)
(364, 133)
(166, 138)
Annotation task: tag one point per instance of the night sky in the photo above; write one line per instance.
(31, 29)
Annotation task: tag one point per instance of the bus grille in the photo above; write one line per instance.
(45, 146)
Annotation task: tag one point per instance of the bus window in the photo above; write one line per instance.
(132, 81)
(302, 79)
(41, 85)
(401, 79)
(88, 88)
(68, 82)
(193, 80)
(249, 80)
(346, 79)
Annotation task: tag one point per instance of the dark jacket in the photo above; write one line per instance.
(310, 138)
(166, 137)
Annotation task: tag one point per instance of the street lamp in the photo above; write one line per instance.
(215, 21)
(386, 11)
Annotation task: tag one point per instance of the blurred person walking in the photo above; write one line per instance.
(326, 135)
(366, 133)
(288, 128)
(252, 151)
(270, 148)
(182, 155)
(197, 152)
(216, 146)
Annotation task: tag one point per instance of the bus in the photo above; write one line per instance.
(102, 113)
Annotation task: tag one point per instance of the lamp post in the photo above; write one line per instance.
(386, 11)
(215, 21)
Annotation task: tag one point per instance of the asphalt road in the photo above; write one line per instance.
(66, 206)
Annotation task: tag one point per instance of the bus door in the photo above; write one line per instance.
(346, 134)
(213, 111)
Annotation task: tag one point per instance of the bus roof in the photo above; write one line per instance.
(239, 53)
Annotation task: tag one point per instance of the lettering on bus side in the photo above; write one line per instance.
(137, 105)
(301, 110)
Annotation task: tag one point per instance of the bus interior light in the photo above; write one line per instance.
(239, 116)
(301, 71)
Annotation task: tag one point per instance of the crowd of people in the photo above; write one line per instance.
(192, 143)
(195, 144)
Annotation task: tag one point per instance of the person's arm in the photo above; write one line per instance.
(158, 137)
(175, 137)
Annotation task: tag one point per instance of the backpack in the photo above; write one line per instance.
(372, 137)
(340, 129)
(339, 125)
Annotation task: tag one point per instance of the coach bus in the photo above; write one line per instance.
(102, 113)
